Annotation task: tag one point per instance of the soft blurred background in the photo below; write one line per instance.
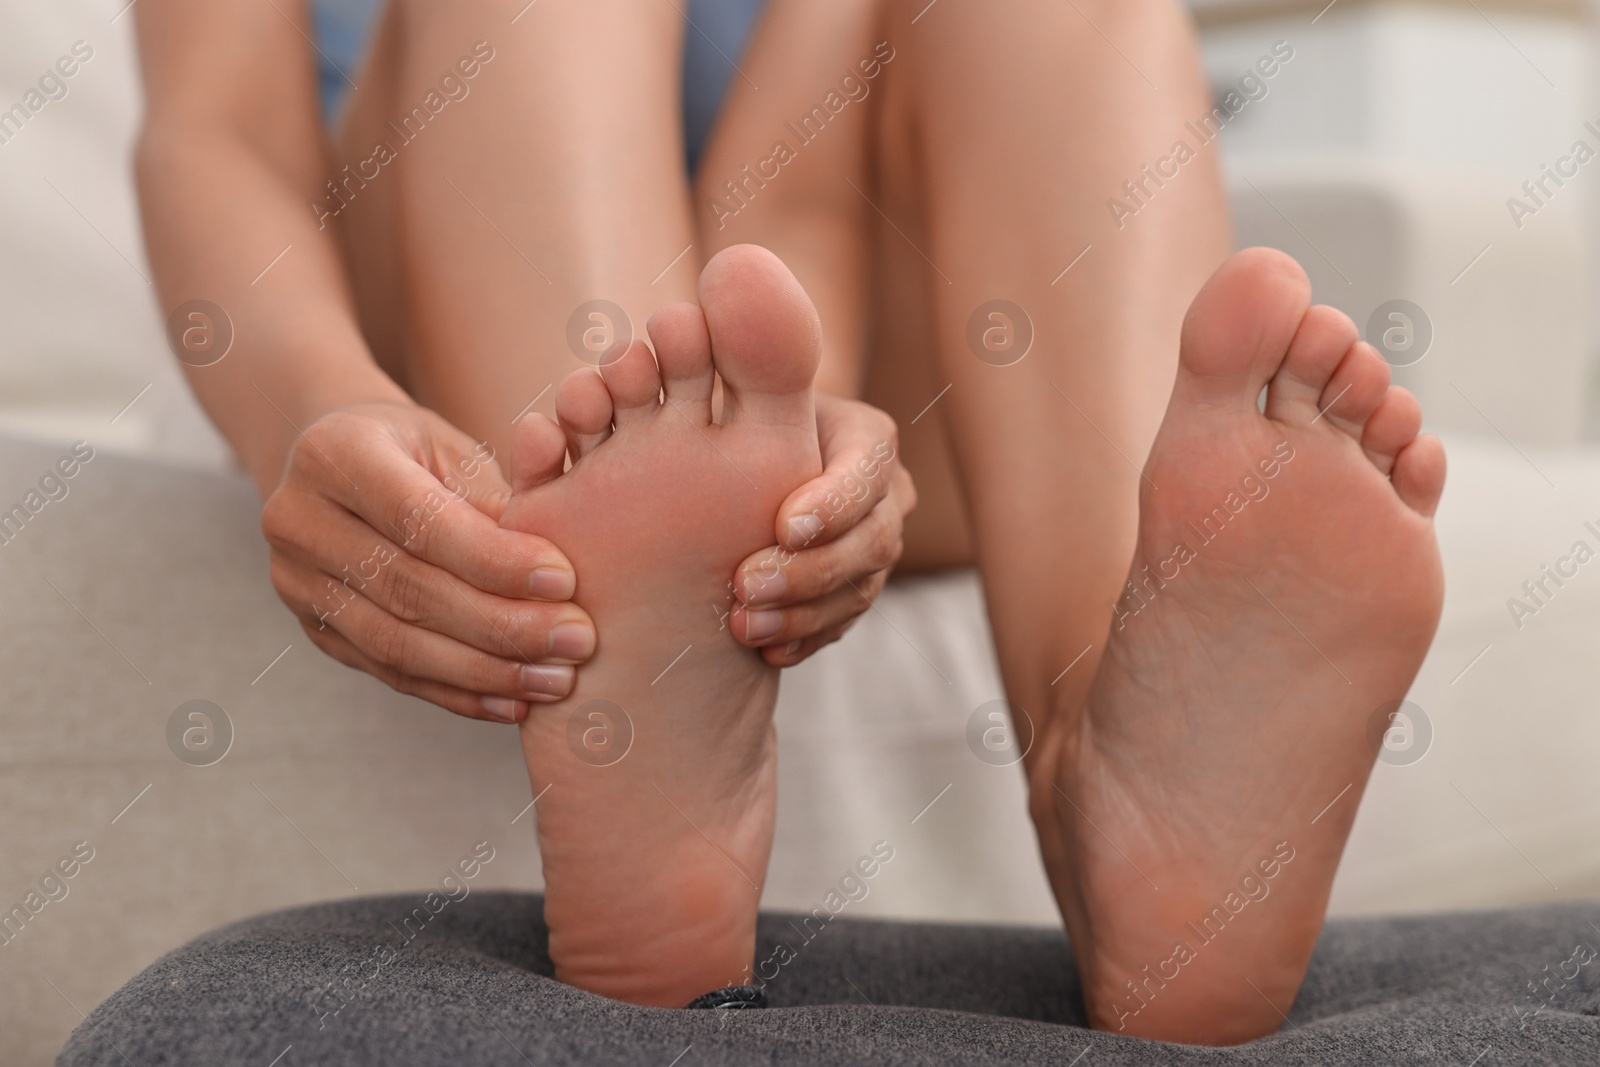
(1382, 156)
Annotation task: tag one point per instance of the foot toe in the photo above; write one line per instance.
(1418, 474)
(1241, 325)
(584, 407)
(1324, 336)
(766, 338)
(538, 452)
(635, 383)
(683, 352)
(1355, 390)
(1393, 424)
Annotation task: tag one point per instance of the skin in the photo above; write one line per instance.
(343, 393)
(1170, 812)
(438, 285)
(971, 83)
(694, 791)
(1236, 699)
(449, 280)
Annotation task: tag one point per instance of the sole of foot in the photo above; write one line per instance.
(1285, 588)
(656, 777)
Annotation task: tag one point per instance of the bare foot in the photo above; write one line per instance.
(1285, 587)
(657, 776)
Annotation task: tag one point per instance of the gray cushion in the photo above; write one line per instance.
(473, 986)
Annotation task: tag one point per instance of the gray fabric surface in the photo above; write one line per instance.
(474, 988)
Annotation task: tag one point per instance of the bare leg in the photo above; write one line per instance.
(798, 200)
(1020, 121)
(786, 172)
(994, 167)
(1006, 129)
(521, 200)
(369, 227)
(956, 115)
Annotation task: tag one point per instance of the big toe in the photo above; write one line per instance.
(1241, 324)
(766, 338)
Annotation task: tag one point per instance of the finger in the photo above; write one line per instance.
(858, 451)
(469, 469)
(765, 627)
(411, 650)
(781, 579)
(797, 651)
(403, 500)
(349, 559)
(459, 701)
(777, 577)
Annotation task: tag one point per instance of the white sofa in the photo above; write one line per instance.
(1384, 155)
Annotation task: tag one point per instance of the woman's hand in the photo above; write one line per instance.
(838, 538)
(386, 545)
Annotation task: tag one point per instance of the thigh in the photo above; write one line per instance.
(904, 376)
(502, 166)
(1011, 124)
(785, 163)
(369, 229)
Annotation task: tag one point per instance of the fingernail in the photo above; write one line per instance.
(761, 588)
(571, 640)
(760, 625)
(552, 583)
(792, 648)
(547, 680)
(501, 708)
(804, 530)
